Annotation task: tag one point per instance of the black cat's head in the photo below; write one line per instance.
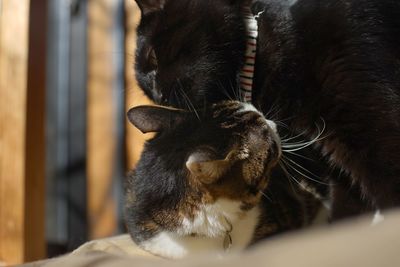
(190, 50)
(218, 162)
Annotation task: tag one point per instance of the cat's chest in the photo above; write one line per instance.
(207, 232)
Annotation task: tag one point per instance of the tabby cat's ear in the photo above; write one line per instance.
(154, 118)
(148, 6)
(205, 166)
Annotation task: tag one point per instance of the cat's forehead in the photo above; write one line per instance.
(234, 106)
(237, 112)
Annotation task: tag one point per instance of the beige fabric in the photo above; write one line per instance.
(355, 243)
(120, 245)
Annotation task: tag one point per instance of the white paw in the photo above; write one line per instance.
(378, 218)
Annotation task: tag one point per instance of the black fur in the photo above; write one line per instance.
(331, 60)
(191, 55)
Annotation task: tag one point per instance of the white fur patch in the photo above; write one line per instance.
(272, 125)
(210, 226)
(378, 218)
(165, 244)
(210, 219)
(322, 216)
(250, 107)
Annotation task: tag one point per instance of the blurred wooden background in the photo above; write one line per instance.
(103, 32)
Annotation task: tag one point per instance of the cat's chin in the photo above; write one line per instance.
(210, 229)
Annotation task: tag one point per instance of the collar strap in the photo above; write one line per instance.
(247, 72)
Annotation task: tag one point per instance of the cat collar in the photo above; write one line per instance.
(247, 72)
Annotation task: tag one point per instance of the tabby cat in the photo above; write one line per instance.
(317, 61)
(194, 192)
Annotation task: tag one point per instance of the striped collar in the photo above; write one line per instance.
(247, 72)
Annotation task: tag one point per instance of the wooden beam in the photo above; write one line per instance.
(22, 90)
(102, 135)
(134, 95)
(13, 84)
(34, 223)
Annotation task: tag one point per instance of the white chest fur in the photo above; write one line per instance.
(210, 226)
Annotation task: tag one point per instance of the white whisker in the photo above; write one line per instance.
(289, 176)
(293, 137)
(299, 155)
(187, 100)
(266, 196)
(296, 147)
(305, 170)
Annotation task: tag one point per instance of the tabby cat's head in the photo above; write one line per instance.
(195, 161)
(190, 49)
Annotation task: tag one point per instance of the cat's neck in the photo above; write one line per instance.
(278, 52)
(175, 245)
(247, 71)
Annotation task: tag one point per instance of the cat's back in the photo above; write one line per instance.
(330, 37)
(356, 14)
(349, 43)
(367, 28)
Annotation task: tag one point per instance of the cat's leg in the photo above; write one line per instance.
(376, 168)
(365, 146)
(346, 198)
(384, 190)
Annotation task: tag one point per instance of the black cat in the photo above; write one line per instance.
(204, 183)
(331, 61)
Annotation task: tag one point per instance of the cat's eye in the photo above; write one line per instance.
(152, 59)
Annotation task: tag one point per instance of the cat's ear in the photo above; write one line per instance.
(155, 118)
(205, 166)
(148, 6)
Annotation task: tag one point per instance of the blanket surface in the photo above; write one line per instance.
(352, 243)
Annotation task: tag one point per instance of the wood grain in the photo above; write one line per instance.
(34, 223)
(101, 135)
(22, 77)
(13, 83)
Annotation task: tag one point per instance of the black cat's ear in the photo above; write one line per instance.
(206, 167)
(154, 118)
(148, 6)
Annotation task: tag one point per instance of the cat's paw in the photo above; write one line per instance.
(378, 218)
